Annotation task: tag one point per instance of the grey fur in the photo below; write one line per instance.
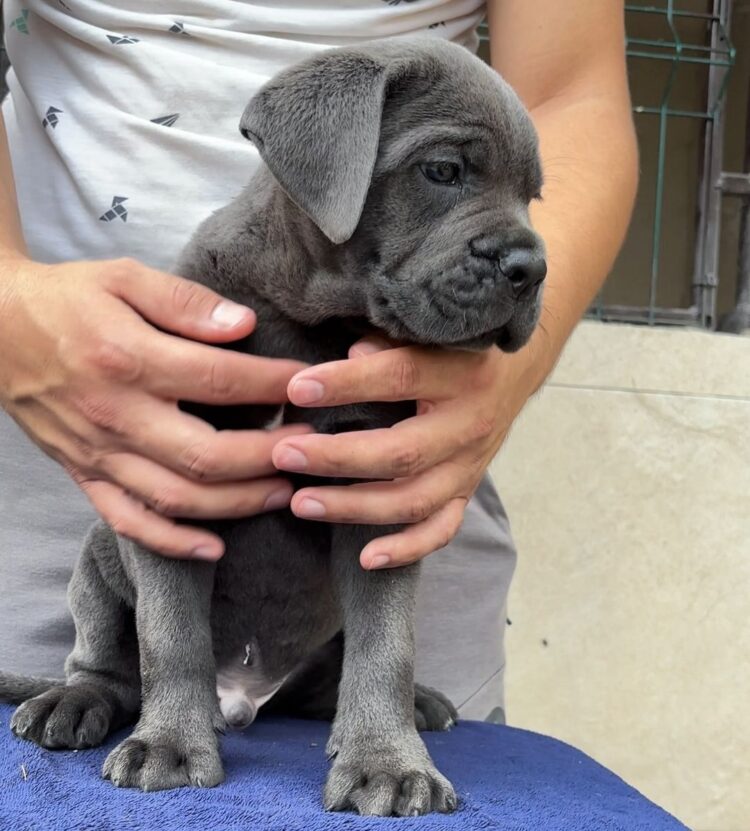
(339, 234)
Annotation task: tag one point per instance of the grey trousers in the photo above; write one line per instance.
(43, 517)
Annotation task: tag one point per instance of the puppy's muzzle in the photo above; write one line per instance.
(523, 267)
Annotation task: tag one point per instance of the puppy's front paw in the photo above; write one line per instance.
(397, 779)
(433, 710)
(64, 717)
(157, 763)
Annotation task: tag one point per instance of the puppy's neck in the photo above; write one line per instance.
(295, 267)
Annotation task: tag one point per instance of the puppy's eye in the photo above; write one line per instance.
(442, 173)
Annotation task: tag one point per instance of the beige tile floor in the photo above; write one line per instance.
(628, 486)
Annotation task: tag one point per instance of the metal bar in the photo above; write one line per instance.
(662, 11)
(738, 320)
(639, 110)
(661, 158)
(737, 184)
(687, 59)
(706, 262)
(638, 314)
(668, 44)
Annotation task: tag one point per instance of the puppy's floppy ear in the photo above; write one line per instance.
(317, 127)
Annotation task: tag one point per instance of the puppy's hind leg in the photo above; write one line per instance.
(102, 690)
(381, 765)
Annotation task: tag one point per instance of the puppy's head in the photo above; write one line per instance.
(417, 163)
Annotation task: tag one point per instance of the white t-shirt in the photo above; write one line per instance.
(123, 118)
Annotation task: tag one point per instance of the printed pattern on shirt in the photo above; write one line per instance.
(95, 169)
(21, 23)
(166, 120)
(50, 118)
(121, 40)
(117, 210)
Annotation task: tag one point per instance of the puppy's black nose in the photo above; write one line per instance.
(524, 268)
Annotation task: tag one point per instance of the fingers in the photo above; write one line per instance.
(385, 503)
(130, 518)
(170, 495)
(406, 449)
(203, 454)
(178, 305)
(189, 446)
(400, 374)
(102, 424)
(174, 368)
(416, 541)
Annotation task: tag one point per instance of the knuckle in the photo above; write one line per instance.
(117, 273)
(220, 381)
(406, 462)
(445, 537)
(101, 412)
(200, 461)
(482, 427)
(122, 526)
(419, 508)
(187, 297)
(112, 360)
(168, 501)
(406, 377)
(88, 456)
(78, 476)
(449, 530)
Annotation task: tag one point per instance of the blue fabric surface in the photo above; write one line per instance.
(506, 779)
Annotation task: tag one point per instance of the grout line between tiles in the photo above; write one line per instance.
(744, 399)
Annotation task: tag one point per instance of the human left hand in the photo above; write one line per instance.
(429, 465)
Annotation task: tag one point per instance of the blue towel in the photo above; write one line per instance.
(506, 779)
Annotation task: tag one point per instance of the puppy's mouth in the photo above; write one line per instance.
(433, 323)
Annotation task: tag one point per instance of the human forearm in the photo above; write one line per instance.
(567, 63)
(590, 160)
(12, 244)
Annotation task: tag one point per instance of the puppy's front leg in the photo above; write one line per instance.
(174, 742)
(381, 765)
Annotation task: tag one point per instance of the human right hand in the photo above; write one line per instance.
(91, 379)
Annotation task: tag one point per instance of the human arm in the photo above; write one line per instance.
(567, 62)
(91, 380)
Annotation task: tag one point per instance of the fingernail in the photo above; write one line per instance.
(310, 509)
(289, 458)
(307, 392)
(226, 314)
(278, 499)
(380, 561)
(206, 552)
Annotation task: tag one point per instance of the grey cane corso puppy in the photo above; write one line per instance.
(394, 198)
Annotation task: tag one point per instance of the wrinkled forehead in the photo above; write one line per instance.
(457, 106)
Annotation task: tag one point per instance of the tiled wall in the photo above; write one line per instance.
(628, 486)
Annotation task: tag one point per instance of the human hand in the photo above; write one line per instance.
(95, 384)
(431, 464)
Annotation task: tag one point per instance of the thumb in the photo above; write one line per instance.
(183, 307)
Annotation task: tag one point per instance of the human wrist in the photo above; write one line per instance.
(15, 268)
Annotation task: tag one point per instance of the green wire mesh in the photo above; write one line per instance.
(717, 56)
